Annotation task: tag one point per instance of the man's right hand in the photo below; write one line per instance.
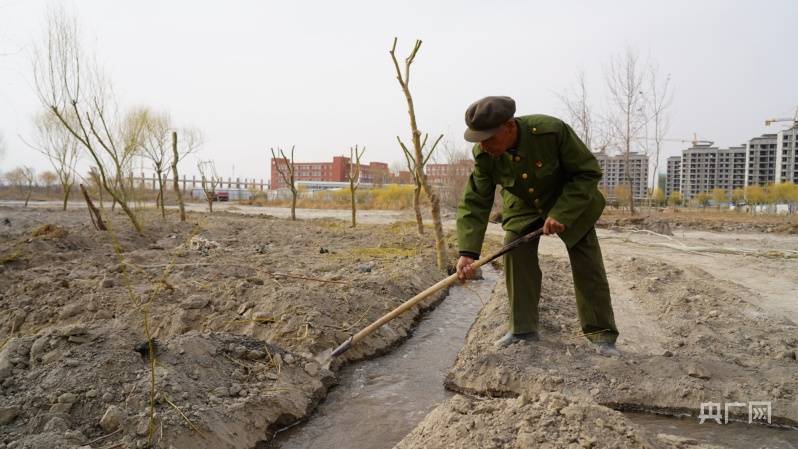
(465, 270)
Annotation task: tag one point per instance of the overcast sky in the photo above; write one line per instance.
(255, 74)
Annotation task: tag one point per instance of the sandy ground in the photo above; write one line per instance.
(703, 317)
(238, 306)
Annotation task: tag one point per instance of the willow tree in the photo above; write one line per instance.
(23, 179)
(354, 178)
(417, 155)
(155, 147)
(61, 149)
(80, 97)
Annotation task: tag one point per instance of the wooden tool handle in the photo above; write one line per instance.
(423, 295)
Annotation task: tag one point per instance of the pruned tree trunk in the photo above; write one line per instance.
(354, 178)
(28, 195)
(209, 180)
(437, 224)
(67, 190)
(418, 154)
(287, 173)
(160, 203)
(94, 213)
(175, 184)
(354, 209)
(417, 209)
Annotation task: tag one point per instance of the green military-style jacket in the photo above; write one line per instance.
(552, 174)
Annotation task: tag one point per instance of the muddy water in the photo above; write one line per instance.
(733, 435)
(380, 401)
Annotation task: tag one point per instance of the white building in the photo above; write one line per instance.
(760, 160)
(615, 173)
(787, 155)
(673, 175)
(705, 167)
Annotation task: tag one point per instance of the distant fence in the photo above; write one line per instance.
(188, 184)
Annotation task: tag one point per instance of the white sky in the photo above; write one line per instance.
(255, 74)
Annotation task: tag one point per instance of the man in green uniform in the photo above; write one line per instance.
(549, 178)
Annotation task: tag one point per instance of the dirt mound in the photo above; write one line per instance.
(642, 222)
(238, 305)
(718, 347)
(208, 388)
(49, 231)
(545, 421)
(714, 220)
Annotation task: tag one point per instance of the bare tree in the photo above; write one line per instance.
(47, 179)
(417, 156)
(2, 147)
(94, 213)
(354, 178)
(97, 183)
(659, 100)
(61, 149)
(413, 167)
(23, 178)
(285, 168)
(627, 116)
(579, 111)
(459, 165)
(155, 147)
(191, 142)
(80, 97)
(209, 180)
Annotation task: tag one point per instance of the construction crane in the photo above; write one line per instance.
(695, 141)
(794, 120)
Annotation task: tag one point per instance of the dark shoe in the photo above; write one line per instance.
(607, 349)
(510, 338)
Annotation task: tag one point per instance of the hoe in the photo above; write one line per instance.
(325, 358)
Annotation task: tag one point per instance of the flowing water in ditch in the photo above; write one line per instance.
(380, 401)
(734, 435)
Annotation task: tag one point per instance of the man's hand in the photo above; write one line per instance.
(464, 268)
(552, 226)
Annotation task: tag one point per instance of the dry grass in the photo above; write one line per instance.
(49, 231)
(384, 252)
(11, 256)
(389, 197)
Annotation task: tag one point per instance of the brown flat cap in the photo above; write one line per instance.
(485, 117)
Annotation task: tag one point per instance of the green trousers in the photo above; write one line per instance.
(593, 303)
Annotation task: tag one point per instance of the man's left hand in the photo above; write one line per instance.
(552, 226)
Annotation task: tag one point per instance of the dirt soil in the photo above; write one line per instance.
(700, 219)
(697, 340)
(686, 337)
(544, 420)
(237, 306)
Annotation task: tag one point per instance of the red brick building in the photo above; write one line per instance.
(335, 171)
(376, 173)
